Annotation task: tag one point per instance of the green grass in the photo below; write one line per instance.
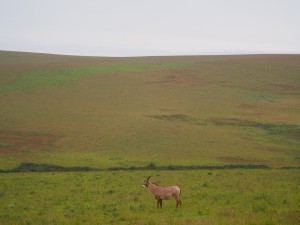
(4, 144)
(68, 113)
(57, 76)
(209, 197)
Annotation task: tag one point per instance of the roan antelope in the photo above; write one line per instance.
(163, 193)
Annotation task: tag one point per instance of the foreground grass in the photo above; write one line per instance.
(209, 197)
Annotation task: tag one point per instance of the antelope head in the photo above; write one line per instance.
(146, 182)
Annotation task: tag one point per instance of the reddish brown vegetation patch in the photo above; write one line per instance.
(287, 87)
(245, 106)
(180, 80)
(14, 141)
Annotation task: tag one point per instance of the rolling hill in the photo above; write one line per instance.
(107, 112)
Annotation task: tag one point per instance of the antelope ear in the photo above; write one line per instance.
(149, 177)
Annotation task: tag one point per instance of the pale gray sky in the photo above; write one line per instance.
(150, 27)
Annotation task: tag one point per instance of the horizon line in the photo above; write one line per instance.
(226, 53)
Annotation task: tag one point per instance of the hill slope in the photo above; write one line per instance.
(120, 112)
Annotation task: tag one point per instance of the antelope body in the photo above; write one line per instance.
(163, 193)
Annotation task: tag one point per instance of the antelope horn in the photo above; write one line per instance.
(149, 177)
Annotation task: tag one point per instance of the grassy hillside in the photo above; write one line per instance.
(122, 112)
(222, 113)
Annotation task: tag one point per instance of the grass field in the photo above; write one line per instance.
(102, 113)
(209, 197)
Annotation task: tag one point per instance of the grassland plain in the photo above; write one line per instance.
(128, 112)
(221, 197)
(112, 112)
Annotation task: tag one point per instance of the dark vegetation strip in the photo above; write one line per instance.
(291, 131)
(33, 167)
(36, 167)
(152, 166)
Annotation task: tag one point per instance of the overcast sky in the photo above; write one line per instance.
(150, 27)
